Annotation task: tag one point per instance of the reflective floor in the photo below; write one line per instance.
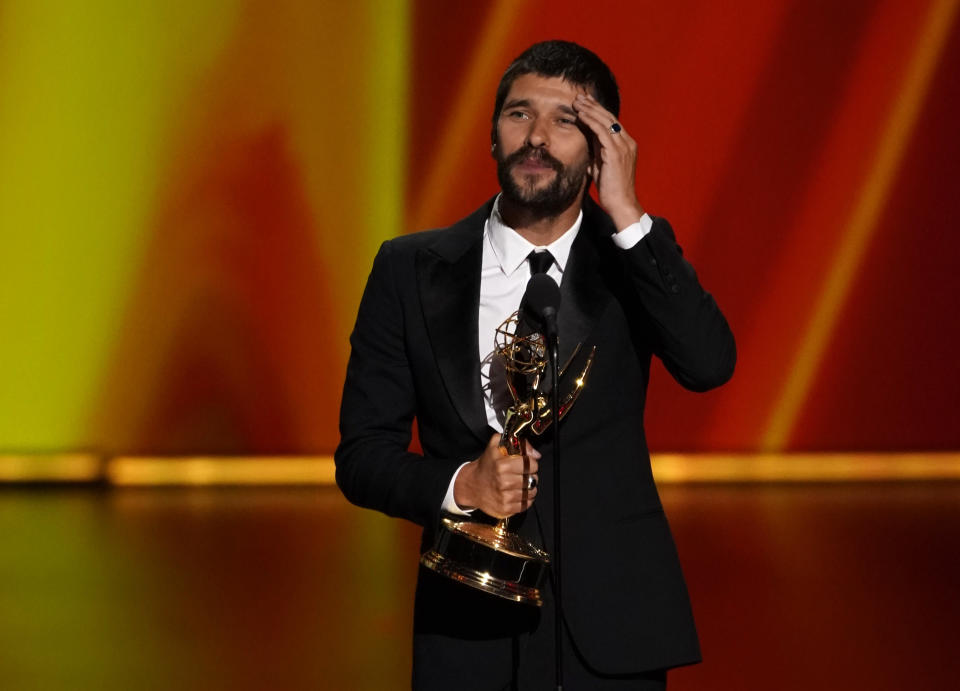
(794, 587)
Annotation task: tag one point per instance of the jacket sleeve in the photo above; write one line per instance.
(374, 467)
(689, 333)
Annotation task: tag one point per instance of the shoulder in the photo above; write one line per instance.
(412, 242)
(449, 242)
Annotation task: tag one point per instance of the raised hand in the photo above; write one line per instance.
(615, 162)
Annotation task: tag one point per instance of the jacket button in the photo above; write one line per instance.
(674, 289)
(653, 261)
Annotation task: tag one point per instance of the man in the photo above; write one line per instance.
(422, 348)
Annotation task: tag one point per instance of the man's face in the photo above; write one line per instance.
(542, 153)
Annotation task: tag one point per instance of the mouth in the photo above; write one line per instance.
(533, 164)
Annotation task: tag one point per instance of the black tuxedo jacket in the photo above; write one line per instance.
(414, 355)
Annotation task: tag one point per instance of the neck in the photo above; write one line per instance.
(535, 228)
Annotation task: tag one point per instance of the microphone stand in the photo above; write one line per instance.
(543, 298)
(557, 589)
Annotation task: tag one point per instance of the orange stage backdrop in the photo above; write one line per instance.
(191, 197)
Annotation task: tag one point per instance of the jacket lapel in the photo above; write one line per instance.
(448, 277)
(582, 291)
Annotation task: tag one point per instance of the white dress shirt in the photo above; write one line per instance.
(504, 273)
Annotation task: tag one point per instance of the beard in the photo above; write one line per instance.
(549, 200)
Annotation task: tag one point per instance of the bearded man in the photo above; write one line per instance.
(422, 348)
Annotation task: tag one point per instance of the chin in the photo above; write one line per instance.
(533, 183)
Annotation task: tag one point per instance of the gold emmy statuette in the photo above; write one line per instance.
(490, 557)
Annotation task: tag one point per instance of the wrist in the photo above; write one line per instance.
(462, 487)
(625, 215)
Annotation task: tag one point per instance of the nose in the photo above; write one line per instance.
(537, 135)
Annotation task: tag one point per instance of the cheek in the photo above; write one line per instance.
(578, 155)
(509, 139)
(574, 143)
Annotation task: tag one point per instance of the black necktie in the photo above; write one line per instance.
(540, 261)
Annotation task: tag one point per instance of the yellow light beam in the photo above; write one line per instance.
(387, 82)
(806, 467)
(89, 94)
(220, 470)
(475, 87)
(862, 223)
(667, 468)
(318, 471)
(54, 467)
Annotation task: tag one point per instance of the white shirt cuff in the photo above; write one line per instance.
(449, 503)
(633, 233)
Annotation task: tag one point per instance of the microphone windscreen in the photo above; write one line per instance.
(542, 294)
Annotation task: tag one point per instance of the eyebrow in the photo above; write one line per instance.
(525, 103)
(517, 102)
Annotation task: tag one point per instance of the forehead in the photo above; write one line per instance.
(543, 91)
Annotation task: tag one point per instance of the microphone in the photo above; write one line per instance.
(542, 301)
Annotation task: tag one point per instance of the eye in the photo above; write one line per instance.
(517, 115)
(566, 122)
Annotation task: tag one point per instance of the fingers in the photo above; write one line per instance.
(510, 497)
(510, 472)
(531, 466)
(614, 168)
(529, 450)
(598, 119)
(508, 482)
(616, 150)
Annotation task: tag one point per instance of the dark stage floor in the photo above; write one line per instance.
(794, 587)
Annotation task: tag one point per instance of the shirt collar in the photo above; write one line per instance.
(511, 248)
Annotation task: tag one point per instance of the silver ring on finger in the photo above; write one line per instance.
(615, 128)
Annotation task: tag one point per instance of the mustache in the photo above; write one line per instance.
(529, 152)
